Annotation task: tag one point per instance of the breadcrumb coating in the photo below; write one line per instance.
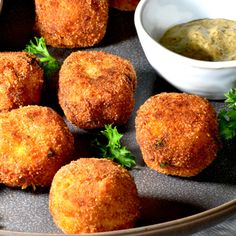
(35, 143)
(71, 23)
(21, 80)
(96, 88)
(177, 133)
(93, 195)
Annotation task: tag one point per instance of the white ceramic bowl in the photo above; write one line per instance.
(204, 78)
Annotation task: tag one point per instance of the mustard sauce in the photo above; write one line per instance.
(203, 39)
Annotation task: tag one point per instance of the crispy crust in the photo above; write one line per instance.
(71, 23)
(177, 133)
(35, 143)
(96, 88)
(93, 195)
(21, 80)
(124, 5)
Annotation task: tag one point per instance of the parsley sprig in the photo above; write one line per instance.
(227, 117)
(113, 149)
(38, 48)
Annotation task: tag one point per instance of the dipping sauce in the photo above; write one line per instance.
(204, 39)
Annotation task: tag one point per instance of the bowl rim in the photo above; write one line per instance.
(138, 20)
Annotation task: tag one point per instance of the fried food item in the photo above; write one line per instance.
(71, 23)
(96, 88)
(124, 5)
(177, 133)
(93, 195)
(21, 80)
(35, 143)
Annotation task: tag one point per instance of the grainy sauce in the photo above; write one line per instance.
(204, 39)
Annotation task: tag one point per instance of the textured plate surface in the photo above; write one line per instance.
(205, 200)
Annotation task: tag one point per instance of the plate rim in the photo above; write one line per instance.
(224, 210)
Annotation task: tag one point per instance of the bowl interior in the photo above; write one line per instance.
(159, 15)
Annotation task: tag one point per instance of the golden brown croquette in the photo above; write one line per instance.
(96, 88)
(93, 195)
(21, 80)
(35, 143)
(177, 133)
(124, 5)
(71, 23)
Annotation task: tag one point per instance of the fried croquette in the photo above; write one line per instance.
(93, 195)
(34, 143)
(177, 133)
(96, 88)
(124, 5)
(21, 80)
(71, 23)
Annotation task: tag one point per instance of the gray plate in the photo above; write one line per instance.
(169, 204)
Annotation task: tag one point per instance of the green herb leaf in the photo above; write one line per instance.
(51, 153)
(163, 165)
(231, 98)
(38, 48)
(227, 117)
(159, 143)
(113, 149)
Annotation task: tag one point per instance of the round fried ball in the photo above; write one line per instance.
(67, 23)
(96, 88)
(35, 143)
(93, 195)
(177, 133)
(21, 80)
(124, 5)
